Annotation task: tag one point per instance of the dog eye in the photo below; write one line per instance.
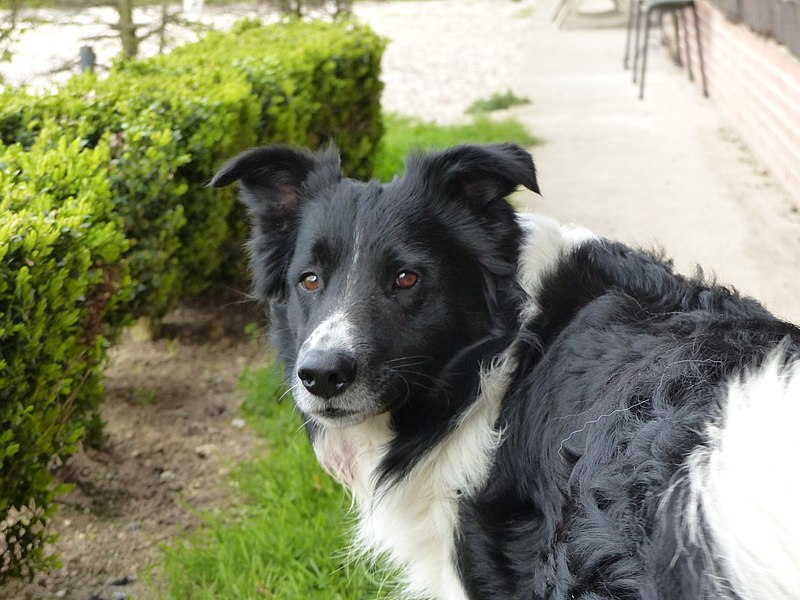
(310, 282)
(406, 280)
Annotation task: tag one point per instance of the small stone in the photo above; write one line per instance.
(61, 594)
(239, 423)
(166, 476)
(205, 450)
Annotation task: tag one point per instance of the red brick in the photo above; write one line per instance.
(756, 83)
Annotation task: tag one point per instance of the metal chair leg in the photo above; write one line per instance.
(644, 52)
(636, 48)
(563, 10)
(699, 49)
(675, 19)
(685, 28)
(559, 7)
(633, 9)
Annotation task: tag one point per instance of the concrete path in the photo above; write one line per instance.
(667, 172)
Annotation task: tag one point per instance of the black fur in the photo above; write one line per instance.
(570, 510)
(618, 372)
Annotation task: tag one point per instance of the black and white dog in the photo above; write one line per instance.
(521, 409)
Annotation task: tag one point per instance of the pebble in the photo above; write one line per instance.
(238, 423)
(205, 450)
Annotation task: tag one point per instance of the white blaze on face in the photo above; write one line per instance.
(334, 334)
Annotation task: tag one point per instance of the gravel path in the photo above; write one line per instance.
(444, 55)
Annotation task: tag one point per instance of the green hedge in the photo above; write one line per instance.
(162, 132)
(173, 120)
(107, 217)
(316, 81)
(313, 82)
(61, 271)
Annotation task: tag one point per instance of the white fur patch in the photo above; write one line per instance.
(334, 333)
(746, 485)
(546, 240)
(413, 522)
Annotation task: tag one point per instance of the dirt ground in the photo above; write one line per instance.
(174, 432)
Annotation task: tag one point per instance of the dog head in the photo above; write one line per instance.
(384, 298)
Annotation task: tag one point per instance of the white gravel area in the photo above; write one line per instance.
(443, 54)
(446, 54)
(48, 48)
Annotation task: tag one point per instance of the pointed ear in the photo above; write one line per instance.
(271, 178)
(274, 180)
(478, 174)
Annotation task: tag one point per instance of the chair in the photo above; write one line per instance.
(646, 9)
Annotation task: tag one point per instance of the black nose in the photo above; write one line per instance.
(326, 374)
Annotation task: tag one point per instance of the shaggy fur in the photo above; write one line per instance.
(524, 410)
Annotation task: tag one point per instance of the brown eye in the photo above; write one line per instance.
(406, 280)
(310, 282)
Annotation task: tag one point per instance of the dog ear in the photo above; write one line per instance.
(273, 182)
(477, 174)
(477, 179)
(271, 178)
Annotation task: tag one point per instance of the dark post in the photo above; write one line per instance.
(88, 59)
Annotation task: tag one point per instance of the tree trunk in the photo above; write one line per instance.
(8, 25)
(127, 29)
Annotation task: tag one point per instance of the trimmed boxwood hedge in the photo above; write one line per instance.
(174, 119)
(313, 82)
(162, 130)
(61, 271)
(107, 216)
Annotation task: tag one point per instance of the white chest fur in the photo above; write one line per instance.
(413, 522)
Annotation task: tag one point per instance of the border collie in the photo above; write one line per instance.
(521, 409)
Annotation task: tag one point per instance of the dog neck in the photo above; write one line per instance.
(412, 520)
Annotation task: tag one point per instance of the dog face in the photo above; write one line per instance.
(383, 297)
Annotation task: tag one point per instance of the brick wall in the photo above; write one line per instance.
(756, 82)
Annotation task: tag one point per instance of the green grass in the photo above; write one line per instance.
(497, 101)
(288, 537)
(404, 135)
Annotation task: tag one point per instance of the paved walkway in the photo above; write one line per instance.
(665, 172)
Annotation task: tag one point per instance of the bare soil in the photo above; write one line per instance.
(173, 434)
